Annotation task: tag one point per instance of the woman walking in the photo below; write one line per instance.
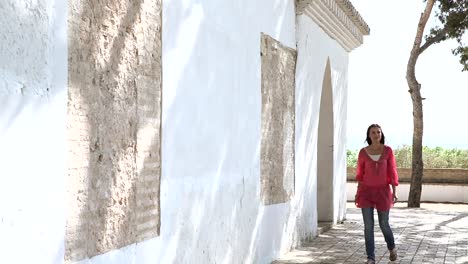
(375, 173)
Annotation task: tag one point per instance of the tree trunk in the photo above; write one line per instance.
(414, 196)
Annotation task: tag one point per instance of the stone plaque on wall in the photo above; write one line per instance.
(114, 125)
(278, 64)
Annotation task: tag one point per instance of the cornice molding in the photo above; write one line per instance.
(338, 18)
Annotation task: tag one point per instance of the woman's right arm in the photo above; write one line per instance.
(359, 174)
(360, 167)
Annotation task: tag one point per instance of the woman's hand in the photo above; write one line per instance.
(356, 196)
(395, 198)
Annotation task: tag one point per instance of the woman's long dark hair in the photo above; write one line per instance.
(368, 139)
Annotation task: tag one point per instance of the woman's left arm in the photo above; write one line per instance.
(392, 175)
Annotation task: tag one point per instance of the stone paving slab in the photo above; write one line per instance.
(421, 235)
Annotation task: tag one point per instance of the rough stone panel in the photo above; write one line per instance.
(148, 85)
(278, 114)
(114, 123)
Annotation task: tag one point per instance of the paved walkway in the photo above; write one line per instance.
(435, 234)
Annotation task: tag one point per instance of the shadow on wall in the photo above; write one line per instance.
(339, 107)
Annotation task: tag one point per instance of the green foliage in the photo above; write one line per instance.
(453, 16)
(403, 156)
(351, 157)
(445, 158)
(437, 157)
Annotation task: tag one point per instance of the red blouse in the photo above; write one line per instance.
(375, 178)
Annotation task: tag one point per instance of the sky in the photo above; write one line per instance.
(377, 87)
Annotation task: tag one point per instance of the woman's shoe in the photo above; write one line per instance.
(393, 254)
(370, 261)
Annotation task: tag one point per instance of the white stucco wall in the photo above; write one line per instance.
(314, 48)
(210, 185)
(33, 74)
(210, 204)
(210, 189)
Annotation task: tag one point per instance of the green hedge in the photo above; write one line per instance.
(437, 157)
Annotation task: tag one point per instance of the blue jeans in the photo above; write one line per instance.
(368, 217)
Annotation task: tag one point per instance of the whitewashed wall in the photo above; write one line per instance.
(33, 74)
(210, 185)
(314, 48)
(210, 202)
(210, 189)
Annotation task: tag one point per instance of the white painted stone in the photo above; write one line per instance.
(33, 160)
(314, 48)
(210, 190)
(33, 75)
(210, 185)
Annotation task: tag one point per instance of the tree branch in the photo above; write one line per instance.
(437, 38)
(415, 51)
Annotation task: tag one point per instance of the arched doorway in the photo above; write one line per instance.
(325, 151)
